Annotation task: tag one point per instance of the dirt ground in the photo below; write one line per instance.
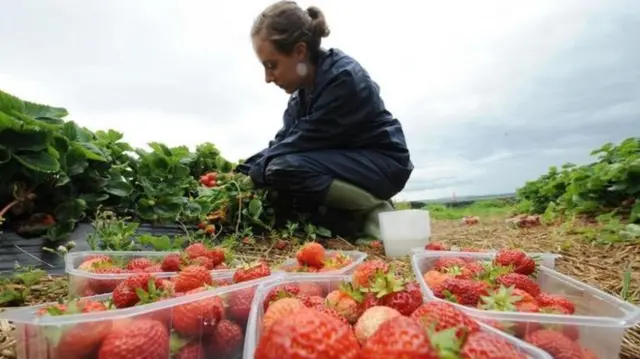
(597, 265)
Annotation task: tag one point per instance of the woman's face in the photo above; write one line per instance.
(279, 68)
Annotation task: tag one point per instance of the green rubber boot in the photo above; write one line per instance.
(364, 205)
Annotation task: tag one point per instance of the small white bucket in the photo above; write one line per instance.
(403, 230)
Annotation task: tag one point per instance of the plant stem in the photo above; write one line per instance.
(8, 207)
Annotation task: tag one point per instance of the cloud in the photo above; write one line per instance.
(490, 93)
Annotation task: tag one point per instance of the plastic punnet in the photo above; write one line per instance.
(357, 257)
(598, 324)
(83, 283)
(545, 259)
(329, 283)
(148, 327)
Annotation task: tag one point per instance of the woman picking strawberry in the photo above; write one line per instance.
(339, 147)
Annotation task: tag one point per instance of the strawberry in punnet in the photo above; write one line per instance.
(434, 278)
(139, 263)
(308, 334)
(484, 345)
(444, 263)
(462, 291)
(94, 261)
(364, 273)
(401, 338)
(156, 268)
(516, 259)
(311, 254)
(519, 281)
(106, 284)
(279, 309)
(227, 340)
(192, 277)
(369, 300)
(239, 304)
(141, 338)
(217, 255)
(136, 288)
(509, 299)
(555, 343)
(311, 301)
(196, 250)
(221, 266)
(436, 246)
(204, 262)
(173, 262)
(394, 292)
(332, 312)
(439, 316)
(371, 319)
(279, 292)
(199, 316)
(547, 300)
(346, 301)
(190, 351)
(53, 309)
(251, 272)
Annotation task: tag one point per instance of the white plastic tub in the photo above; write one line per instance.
(56, 337)
(357, 258)
(599, 321)
(329, 283)
(402, 230)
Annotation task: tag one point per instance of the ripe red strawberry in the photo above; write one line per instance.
(196, 250)
(444, 263)
(307, 331)
(484, 345)
(90, 306)
(509, 299)
(217, 256)
(91, 262)
(332, 312)
(82, 339)
(139, 263)
(517, 259)
(371, 319)
(461, 291)
(53, 309)
(346, 301)
(105, 284)
(406, 300)
(203, 262)
(310, 301)
(191, 351)
(142, 338)
(279, 292)
(440, 316)
(369, 300)
(555, 343)
(279, 309)
(192, 277)
(311, 288)
(227, 339)
(311, 254)
(436, 246)
(519, 281)
(364, 273)
(127, 293)
(196, 317)
(172, 262)
(399, 337)
(259, 270)
(239, 304)
(547, 300)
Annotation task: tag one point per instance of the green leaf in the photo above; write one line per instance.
(32, 139)
(90, 150)
(255, 208)
(38, 161)
(9, 102)
(43, 111)
(71, 210)
(76, 161)
(118, 187)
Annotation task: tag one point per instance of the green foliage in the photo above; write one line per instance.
(483, 209)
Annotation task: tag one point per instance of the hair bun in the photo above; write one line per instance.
(320, 28)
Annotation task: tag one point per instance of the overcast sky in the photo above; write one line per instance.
(490, 93)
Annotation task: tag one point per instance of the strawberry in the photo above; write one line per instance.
(364, 273)
(516, 259)
(141, 338)
(281, 308)
(239, 304)
(82, 339)
(399, 337)
(128, 293)
(310, 288)
(255, 271)
(484, 345)
(346, 301)
(217, 256)
(461, 291)
(196, 317)
(371, 319)
(190, 351)
(369, 300)
(90, 306)
(221, 266)
(196, 250)
(227, 339)
(436, 246)
(310, 301)
(332, 312)
(547, 300)
(279, 292)
(105, 284)
(434, 278)
(192, 277)
(91, 262)
(311, 254)
(555, 343)
(53, 309)
(439, 316)
(172, 262)
(405, 300)
(307, 334)
(139, 263)
(520, 281)
(444, 263)
(508, 299)
(203, 262)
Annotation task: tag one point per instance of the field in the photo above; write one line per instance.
(55, 174)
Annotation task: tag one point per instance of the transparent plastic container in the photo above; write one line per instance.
(545, 259)
(83, 283)
(598, 324)
(146, 327)
(402, 230)
(357, 257)
(329, 283)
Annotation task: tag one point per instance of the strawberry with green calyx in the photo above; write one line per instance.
(311, 254)
(139, 263)
(196, 250)
(446, 343)
(142, 338)
(517, 259)
(150, 294)
(436, 246)
(484, 345)
(519, 281)
(396, 293)
(204, 262)
(365, 273)
(556, 303)
(192, 277)
(346, 301)
(183, 348)
(399, 337)
(443, 263)
(338, 260)
(502, 299)
(257, 270)
(279, 292)
(174, 262)
(457, 271)
(438, 316)
(462, 291)
(491, 272)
